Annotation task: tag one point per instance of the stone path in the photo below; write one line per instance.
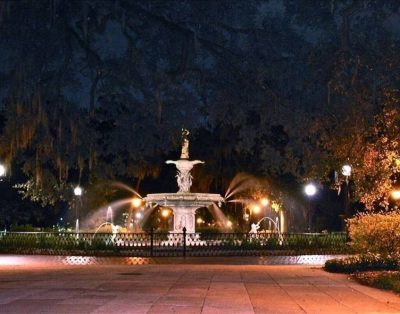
(184, 288)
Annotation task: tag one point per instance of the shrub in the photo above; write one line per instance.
(362, 263)
(376, 233)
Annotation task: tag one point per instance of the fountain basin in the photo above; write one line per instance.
(184, 206)
(196, 200)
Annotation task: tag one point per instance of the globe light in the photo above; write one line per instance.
(310, 189)
(264, 201)
(256, 209)
(199, 220)
(78, 191)
(396, 194)
(138, 215)
(136, 202)
(229, 223)
(2, 170)
(346, 170)
(165, 213)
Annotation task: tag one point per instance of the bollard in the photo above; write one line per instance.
(184, 241)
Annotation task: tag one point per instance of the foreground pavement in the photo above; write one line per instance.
(184, 288)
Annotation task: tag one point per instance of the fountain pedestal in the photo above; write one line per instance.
(184, 217)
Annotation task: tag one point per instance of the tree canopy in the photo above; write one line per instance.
(97, 90)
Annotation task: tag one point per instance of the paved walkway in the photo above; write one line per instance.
(185, 288)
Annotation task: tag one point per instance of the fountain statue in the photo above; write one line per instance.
(255, 226)
(184, 165)
(184, 203)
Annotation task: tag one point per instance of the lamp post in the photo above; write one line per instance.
(346, 171)
(3, 171)
(310, 191)
(2, 175)
(78, 193)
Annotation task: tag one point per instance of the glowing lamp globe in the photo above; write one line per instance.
(165, 213)
(346, 170)
(264, 201)
(78, 191)
(138, 215)
(396, 194)
(199, 220)
(229, 223)
(256, 209)
(136, 202)
(310, 189)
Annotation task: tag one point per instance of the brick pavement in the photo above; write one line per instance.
(185, 288)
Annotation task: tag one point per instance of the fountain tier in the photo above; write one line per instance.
(184, 206)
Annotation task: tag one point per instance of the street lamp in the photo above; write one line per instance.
(396, 195)
(264, 201)
(310, 190)
(256, 209)
(136, 202)
(346, 171)
(78, 193)
(2, 170)
(165, 213)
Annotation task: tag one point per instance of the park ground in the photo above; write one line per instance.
(43, 285)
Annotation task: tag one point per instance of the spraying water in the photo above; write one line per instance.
(109, 215)
(126, 188)
(97, 216)
(219, 216)
(77, 226)
(241, 182)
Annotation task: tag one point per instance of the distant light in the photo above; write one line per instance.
(310, 189)
(199, 220)
(78, 191)
(264, 201)
(229, 223)
(346, 170)
(165, 213)
(396, 194)
(2, 170)
(138, 215)
(256, 209)
(136, 202)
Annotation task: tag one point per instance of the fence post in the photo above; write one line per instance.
(151, 241)
(184, 241)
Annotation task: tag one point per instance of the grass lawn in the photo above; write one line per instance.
(389, 280)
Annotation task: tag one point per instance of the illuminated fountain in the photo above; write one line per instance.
(184, 203)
